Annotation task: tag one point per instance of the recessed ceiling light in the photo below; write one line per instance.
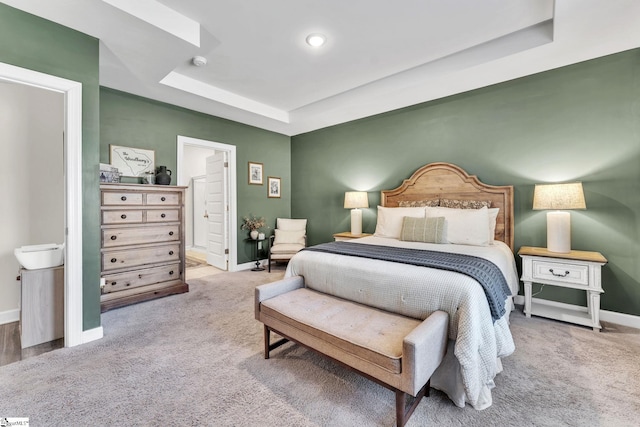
(316, 40)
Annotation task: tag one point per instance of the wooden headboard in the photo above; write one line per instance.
(448, 181)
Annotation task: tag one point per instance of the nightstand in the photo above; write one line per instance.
(339, 237)
(576, 270)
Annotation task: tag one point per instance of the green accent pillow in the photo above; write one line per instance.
(427, 230)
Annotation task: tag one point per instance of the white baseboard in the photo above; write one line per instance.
(250, 265)
(9, 316)
(605, 315)
(92, 334)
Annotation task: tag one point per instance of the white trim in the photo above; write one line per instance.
(92, 335)
(9, 316)
(233, 220)
(605, 315)
(73, 180)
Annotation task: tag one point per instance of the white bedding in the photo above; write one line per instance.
(476, 343)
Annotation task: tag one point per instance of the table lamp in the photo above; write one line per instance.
(355, 200)
(558, 197)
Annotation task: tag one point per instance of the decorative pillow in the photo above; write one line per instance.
(464, 226)
(428, 230)
(390, 220)
(464, 204)
(493, 216)
(291, 224)
(419, 203)
(289, 236)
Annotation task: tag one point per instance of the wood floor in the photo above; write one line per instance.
(10, 346)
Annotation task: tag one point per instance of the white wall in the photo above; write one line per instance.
(31, 178)
(194, 165)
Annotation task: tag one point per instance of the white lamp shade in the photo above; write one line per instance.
(356, 199)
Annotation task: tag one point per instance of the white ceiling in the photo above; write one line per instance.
(379, 56)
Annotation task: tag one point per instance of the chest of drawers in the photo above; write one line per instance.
(142, 243)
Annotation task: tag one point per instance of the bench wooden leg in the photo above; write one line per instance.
(404, 412)
(267, 342)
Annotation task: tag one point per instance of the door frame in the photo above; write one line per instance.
(72, 91)
(184, 141)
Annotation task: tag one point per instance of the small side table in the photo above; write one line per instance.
(575, 269)
(258, 267)
(339, 237)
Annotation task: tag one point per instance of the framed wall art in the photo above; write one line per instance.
(255, 173)
(132, 161)
(273, 187)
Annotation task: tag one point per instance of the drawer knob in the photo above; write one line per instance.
(139, 276)
(170, 252)
(113, 283)
(123, 198)
(114, 237)
(171, 273)
(171, 233)
(566, 273)
(163, 215)
(113, 260)
(163, 198)
(123, 216)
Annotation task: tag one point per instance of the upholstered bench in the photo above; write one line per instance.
(395, 351)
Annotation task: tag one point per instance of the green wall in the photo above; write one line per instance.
(580, 122)
(37, 44)
(133, 121)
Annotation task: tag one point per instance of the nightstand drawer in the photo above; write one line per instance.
(561, 272)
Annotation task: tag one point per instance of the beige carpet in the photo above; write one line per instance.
(196, 359)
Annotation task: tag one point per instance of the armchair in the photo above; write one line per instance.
(290, 236)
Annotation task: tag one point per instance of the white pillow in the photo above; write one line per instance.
(289, 237)
(390, 220)
(291, 224)
(493, 216)
(464, 226)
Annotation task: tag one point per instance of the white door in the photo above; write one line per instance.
(217, 213)
(200, 222)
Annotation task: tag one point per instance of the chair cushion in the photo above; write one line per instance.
(291, 224)
(286, 248)
(289, 236)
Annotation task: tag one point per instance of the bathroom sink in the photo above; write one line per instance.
(40, 256)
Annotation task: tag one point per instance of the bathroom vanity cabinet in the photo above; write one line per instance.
(142, 235)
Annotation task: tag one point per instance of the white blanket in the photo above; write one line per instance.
(472, 361)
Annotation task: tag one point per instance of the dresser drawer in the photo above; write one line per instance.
(117, 259)
(163, 199)
(147, 276)
(163, 215)
(134, 236)
(121, 198)
(121, 217)
(561, 272)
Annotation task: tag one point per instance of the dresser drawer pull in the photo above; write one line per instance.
(123, 216)
(170, 252)
(163, 215)
(113, 283)
(163, 198)
(113, 260)
(123, 198)
(171, 273)
(114, 237)
(139, 276)
(171, 233)
(566, 273)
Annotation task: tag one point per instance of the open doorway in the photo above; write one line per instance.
(72, 141)
(208, 170)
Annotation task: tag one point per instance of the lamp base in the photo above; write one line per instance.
(559, 232)
(356, 222)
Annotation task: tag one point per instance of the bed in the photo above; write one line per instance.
(478, 337)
